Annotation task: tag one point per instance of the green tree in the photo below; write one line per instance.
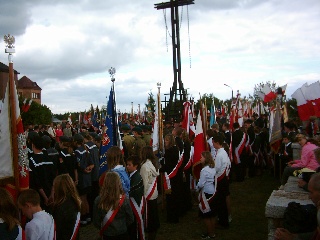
(37, 114)
(150, 106)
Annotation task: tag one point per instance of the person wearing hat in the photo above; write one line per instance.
(67, 160)
(85, 167)
(52, 153)
(307, 160)
(128, 141)
(138, 141)
(146, 135)
(95, 156)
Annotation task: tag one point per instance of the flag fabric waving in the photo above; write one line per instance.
(212, 115)
(276, 136)
(155, 130)
(7, 167)
(302, 104)
(199, 147)
(109, 133)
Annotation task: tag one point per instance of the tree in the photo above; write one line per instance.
(150, 106)
(37, 114)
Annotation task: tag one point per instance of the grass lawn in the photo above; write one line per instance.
(248, 206)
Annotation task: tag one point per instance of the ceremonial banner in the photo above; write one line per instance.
(155, 130)
(276, 136)
(7, 167)
(108, 135)
(187, 122)
(6, 164)
(212, 115)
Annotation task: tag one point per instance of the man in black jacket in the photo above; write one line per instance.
(239, 139)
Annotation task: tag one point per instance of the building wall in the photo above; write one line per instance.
(35, 95)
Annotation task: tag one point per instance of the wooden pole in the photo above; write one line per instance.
(13, 116)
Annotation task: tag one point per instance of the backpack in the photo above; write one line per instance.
(300, 218)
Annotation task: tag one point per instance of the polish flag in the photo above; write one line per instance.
(313, 98)
(199, 147)
(302, 104)
(269, 95)
(266, 94)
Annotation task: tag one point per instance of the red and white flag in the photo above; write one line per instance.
(266, 94)
(199, 147)
(304, 110)
(313, 98)
(7, 167)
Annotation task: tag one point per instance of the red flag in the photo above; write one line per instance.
(199, 147)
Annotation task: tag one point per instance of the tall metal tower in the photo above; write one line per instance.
(175, 104)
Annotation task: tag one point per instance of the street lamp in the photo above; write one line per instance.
(231, 91)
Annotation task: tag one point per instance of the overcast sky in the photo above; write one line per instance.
(67, 47)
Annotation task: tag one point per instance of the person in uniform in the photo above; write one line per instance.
(239, 152)
(42, 173)
(249, 145)
(138, 143)
(146, 131)
(128, 141)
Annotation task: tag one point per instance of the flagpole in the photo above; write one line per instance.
(112, 72)
(10, 49)
(159, 118)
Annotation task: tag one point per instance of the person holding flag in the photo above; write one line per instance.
(207, 189)
(173, 178)
(239, 139)
(149, 172)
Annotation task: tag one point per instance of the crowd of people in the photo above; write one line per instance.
(67, 190)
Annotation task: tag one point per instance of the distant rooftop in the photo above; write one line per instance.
(25, 82)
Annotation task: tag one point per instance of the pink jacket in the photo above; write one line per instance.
(308, 160)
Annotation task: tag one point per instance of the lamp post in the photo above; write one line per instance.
(231, 91)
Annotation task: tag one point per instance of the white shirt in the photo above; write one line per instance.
(206, 181)
(148, 173)
(222, 162)
(41, 227)
(212, 149)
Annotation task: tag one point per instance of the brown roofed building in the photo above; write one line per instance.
(29, 89)
(4, 76)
